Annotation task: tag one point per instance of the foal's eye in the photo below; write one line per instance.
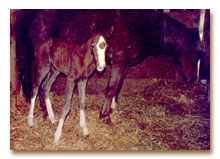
(93, 46)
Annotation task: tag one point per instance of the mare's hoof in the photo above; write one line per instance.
(107, 120)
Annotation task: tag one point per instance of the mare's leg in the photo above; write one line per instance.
(46, 86)
(118, 73)
(82, 98)
(41, 74)
(115, 98)
(66, 108)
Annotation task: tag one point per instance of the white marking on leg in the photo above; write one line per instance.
(50, 111)
(198, 69)
(83, 122)
(201, 24)
(101, 53)
(31, 112)
(58, 132)
(114, 104)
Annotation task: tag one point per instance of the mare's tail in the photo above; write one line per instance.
(24, 51)
(32, 27)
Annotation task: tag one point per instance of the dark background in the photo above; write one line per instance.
(159, 67)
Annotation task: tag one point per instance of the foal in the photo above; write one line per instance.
(77, 63)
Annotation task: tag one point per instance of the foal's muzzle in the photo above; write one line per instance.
(100, 68)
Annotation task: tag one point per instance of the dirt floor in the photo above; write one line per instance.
(159, 115)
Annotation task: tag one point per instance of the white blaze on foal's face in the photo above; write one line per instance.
(100, 48)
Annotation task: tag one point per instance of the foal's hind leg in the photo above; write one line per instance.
(46, 86)
(66, 108)
(40, 76)
(82, 98)
(30, 118)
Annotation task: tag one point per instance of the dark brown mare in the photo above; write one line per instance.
(77, 62)
(142, 33)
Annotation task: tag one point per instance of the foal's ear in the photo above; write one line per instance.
(109, 33)
(92, 29)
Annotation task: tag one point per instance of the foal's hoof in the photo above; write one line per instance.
(115, 111)
(53, 121)
(85, 132)
(30, 121)
(57, 135)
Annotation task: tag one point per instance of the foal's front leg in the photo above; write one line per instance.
(66, 108)
(82, 98)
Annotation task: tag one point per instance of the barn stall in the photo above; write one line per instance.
(156, 110)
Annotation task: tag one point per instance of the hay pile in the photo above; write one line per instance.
(164, 115)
